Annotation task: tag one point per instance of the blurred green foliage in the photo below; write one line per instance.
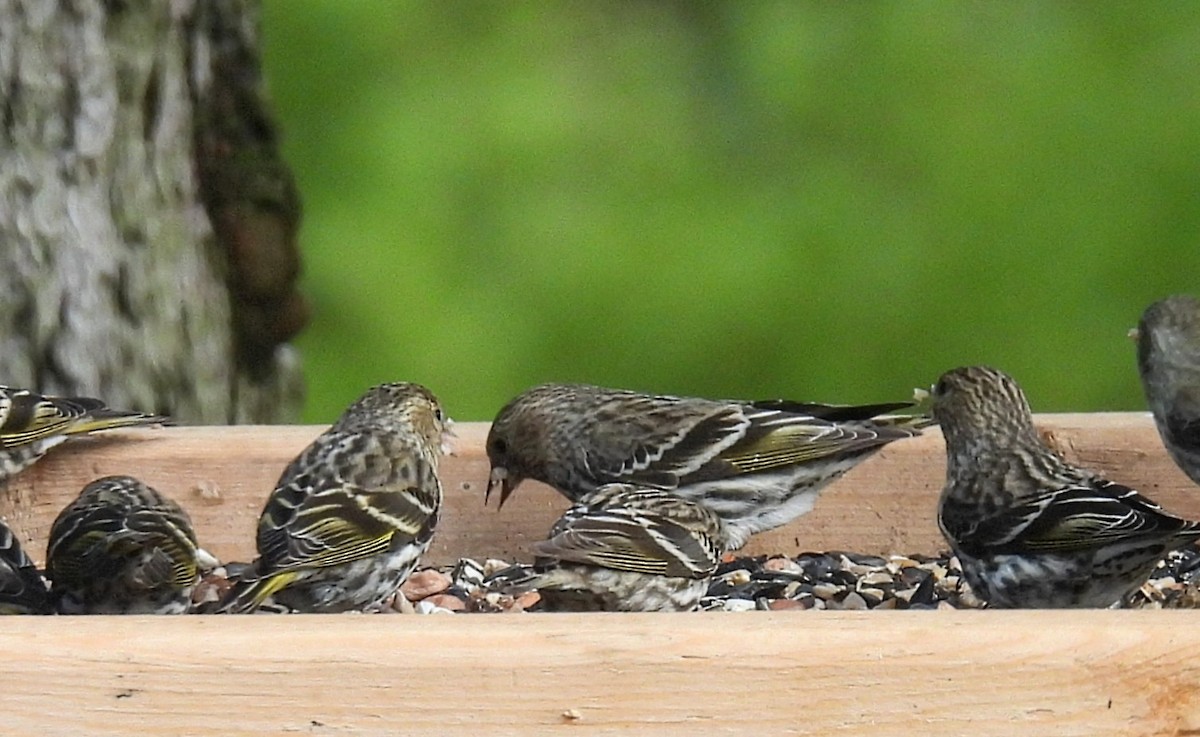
(827, 201)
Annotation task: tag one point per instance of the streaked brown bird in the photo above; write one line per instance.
(121, 547)
(353, 513)
(1168, 357)
(758, 465)
(22, 588)
(31, 424)
(1030, 529)
(629, 549)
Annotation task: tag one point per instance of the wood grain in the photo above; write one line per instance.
(784, 673)
(771, 673)
(223, 474)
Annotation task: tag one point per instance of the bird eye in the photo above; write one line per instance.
(437, 413)
(941, 387)
(499, 446)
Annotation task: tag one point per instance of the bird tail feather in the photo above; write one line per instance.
(248, 594)
(108, 419)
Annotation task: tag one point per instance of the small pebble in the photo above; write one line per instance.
(874, 578)
(427, 607)
(779, 605)
(782, 565)
(811, 580)
(425, 583)
(211, 588)
(491, 565)
(739, 605)
(913, 575)
(858, 570)
(738, 577)
(873, 597)
(206, 560)
(400, 604)
(527, 600)
(448, 602)
(825, 591)
(853, 600)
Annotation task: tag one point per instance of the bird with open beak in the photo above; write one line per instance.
(757, 465)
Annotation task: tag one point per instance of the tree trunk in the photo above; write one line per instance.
(147, 224)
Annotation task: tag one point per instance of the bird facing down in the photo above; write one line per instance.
(352, 514)
(758, 465)
(629, 549)
(22, 588)
(31, 424)
(122, 548)
(1168, 357)
(1029, 529)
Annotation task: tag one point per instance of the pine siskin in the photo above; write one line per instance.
(756, 464)
(1029, 529)
(351, 516)
(31, 424)
(1168, 352)
(22, 588)
(629, 549)
(122, 548)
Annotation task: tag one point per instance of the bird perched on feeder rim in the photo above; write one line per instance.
(1168, 358)
(121, 547)
(758, 465)
(22, 588)
(630, 549)
(1029, 529)
(352, 514)
(31, 424)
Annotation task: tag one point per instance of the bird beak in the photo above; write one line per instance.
(1132, 334)
(448, 437)
(500, 477)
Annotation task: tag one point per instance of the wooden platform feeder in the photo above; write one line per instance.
(755, 673)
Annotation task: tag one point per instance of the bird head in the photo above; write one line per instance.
(403, 407)
(1168, 336)
(504, 465)
(978, 405)
(500, 477)
(516, 442)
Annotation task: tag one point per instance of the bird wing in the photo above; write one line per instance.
(79, 543)
(333, 508)
(662, 439)
(22, 589)
(169, 532)
(1074, 518)
(665, 441)
(628, 539)
(778, 437)
(831, 412)
(26, 417)
(117, 520)
(29, 417)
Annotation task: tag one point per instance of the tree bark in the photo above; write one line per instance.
(147, 224)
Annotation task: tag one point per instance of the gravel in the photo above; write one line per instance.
(833, 580)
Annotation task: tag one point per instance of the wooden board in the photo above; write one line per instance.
(1038, 674)
(1058, 674)
(222, 476)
